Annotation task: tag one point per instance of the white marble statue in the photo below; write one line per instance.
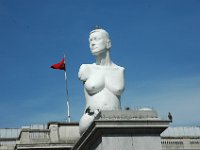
(103, 81)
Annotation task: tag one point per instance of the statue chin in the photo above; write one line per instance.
(97, 52)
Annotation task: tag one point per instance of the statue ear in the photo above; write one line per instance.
(108, 44)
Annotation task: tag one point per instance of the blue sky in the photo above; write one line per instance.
(158, 42)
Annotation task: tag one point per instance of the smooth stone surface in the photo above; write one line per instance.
(103, 80)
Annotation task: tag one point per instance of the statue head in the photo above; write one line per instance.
(99, 41)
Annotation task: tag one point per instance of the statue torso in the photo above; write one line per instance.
(103, 85)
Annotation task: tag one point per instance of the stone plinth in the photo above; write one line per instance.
(123, 130)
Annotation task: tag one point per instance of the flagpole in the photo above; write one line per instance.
(67, 96)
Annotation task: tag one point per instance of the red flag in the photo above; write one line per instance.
(60, 65)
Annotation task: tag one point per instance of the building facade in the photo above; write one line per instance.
(183, 138)
(58, 135)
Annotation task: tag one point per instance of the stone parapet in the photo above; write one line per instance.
(58, 135)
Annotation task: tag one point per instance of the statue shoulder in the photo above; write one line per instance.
(115, 80)
(85, 67)
(84, 71)
(119, 68)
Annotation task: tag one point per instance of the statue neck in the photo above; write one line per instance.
(103, 59)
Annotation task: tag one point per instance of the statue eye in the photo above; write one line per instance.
(98, 38)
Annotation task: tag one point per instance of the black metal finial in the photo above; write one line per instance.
(127, 108)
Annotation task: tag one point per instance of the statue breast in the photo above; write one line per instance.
(96, 78)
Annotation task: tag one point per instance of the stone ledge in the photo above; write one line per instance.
(43, 146)
(127, 114)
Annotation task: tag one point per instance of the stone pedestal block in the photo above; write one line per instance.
(124, 130)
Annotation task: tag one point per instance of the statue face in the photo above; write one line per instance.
(98, 43)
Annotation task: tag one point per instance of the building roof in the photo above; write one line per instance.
(9, 132)
(181, 132)
(14, 132)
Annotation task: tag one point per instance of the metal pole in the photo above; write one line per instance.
(67, 96)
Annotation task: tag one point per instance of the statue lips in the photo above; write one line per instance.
(94, 49)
